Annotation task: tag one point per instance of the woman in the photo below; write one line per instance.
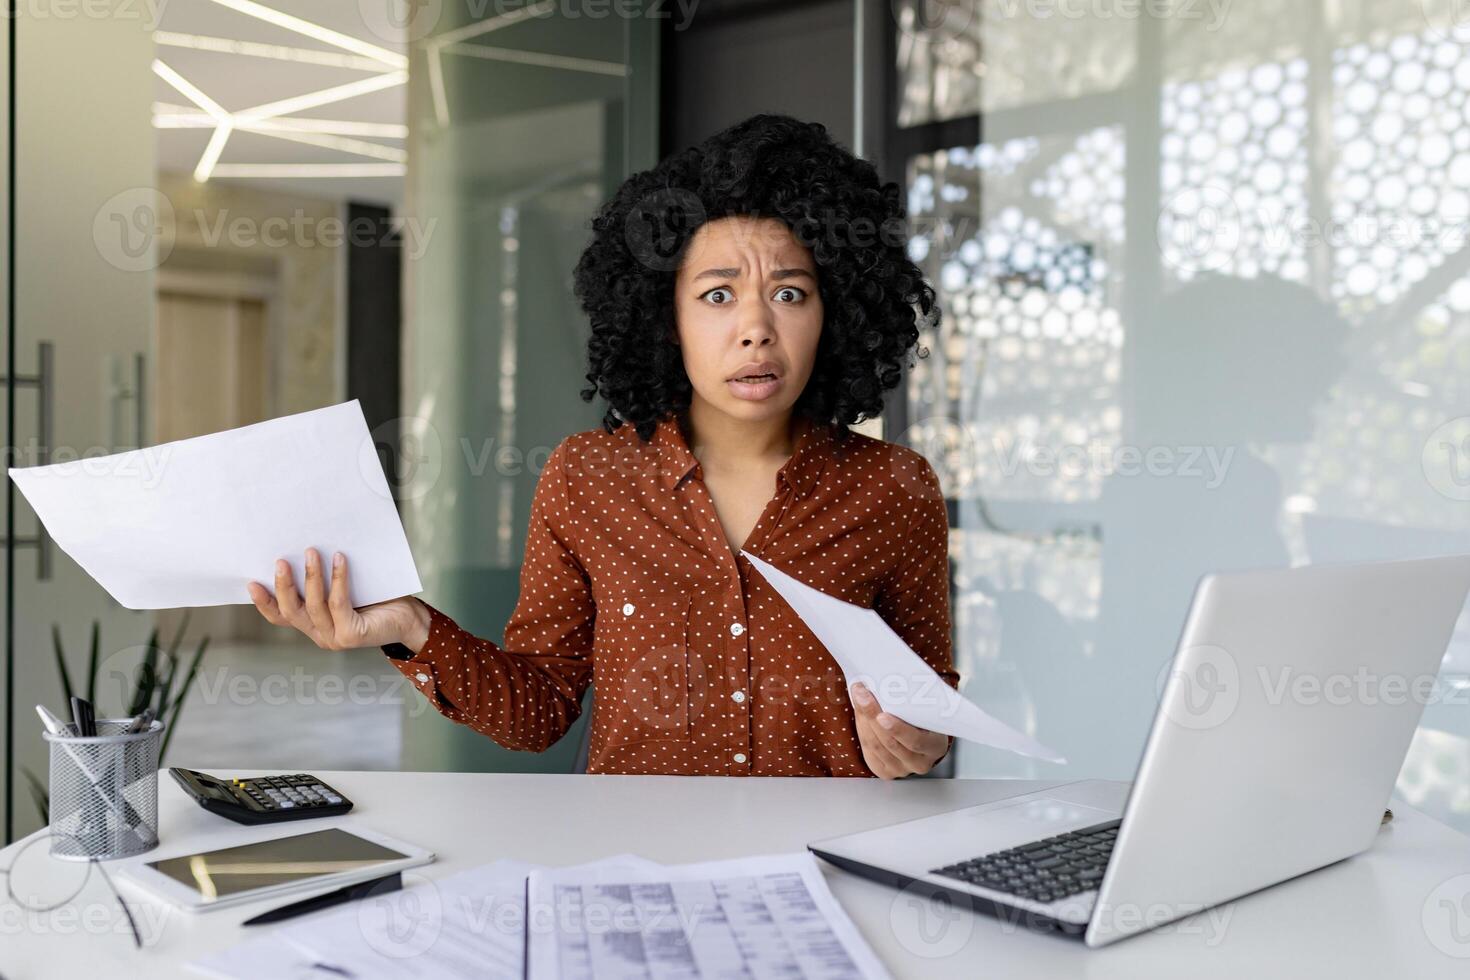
(749, 299)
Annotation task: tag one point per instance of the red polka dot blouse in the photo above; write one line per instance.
(697, 664)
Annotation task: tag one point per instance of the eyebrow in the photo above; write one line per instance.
(732, 273)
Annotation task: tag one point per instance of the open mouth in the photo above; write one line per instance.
(755, 378)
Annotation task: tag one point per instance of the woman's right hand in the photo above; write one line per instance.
(329, 619)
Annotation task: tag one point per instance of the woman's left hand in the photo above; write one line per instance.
(893, 748)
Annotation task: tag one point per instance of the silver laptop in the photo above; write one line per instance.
(1288, 710)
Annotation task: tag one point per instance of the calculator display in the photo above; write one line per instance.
(231, 870)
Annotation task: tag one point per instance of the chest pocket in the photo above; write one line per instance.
(641, 670)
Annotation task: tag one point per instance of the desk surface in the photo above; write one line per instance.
(1402, 909)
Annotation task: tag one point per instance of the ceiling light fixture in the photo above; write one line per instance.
(315, 31)
(275, 52)
(282, 170)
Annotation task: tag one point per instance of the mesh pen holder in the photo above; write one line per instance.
(104, 791)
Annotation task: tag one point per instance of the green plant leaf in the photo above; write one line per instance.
(166, 684)
(147, 679)
(66, 688)
(184, 689)
(173, 647)
(39, 796)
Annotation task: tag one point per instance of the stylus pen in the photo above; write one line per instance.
(376, 886)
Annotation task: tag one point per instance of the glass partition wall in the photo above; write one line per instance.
(519, 127)
(1207, 305)
(180, 258)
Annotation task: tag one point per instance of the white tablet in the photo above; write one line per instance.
(316, 860)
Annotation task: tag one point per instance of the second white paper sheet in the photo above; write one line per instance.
(867, 650)
(188, 523)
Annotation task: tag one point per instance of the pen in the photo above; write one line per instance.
(139, 723)
(81, 714)
(53, 724)
(362, 889)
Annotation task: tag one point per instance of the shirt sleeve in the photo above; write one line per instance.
(914, 599)
(528, 692)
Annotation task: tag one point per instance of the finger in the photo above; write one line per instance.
(915, 739)
(288, 600)
(863, 701)
(316, 595)
(265, 603)
(910, 760)
(881, 760)
(337, 599)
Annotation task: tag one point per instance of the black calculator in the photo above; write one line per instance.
(263, 799)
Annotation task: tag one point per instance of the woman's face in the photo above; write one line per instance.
(746, 294)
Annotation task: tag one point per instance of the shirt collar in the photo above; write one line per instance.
(814, 446)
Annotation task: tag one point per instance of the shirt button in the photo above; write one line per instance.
(736, 629)
(739, 697)
(739, 756)
(627, 609)
(423, 678)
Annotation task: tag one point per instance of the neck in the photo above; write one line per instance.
(734, 443)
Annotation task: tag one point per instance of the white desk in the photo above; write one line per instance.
(1377, 916)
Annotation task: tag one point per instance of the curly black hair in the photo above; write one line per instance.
(769, 166)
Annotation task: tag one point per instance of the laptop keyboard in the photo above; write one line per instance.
(1045, 870)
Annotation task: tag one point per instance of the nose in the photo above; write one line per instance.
(757, 324)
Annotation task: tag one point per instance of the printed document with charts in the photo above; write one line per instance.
(615, 919)
(867, 649)
(769, 916)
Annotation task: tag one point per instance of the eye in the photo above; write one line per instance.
(797, 294)
(715, 292)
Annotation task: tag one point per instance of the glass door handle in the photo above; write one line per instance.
(44, 383)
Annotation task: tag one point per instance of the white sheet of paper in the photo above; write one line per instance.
(259, 956)
(765, 916)
(867, 650)
(466, 926)
(188, 523)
